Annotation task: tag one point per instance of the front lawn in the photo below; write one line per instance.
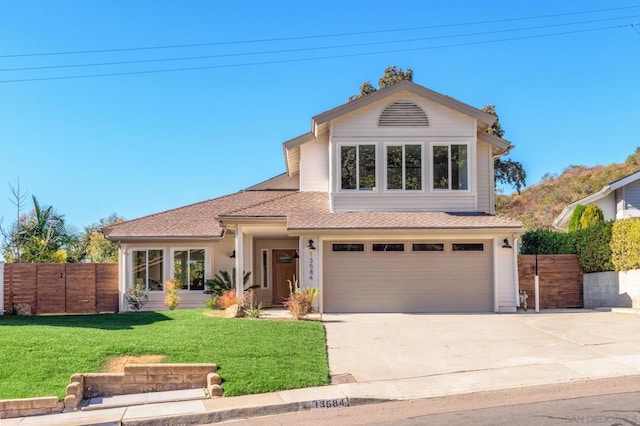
(38, 355)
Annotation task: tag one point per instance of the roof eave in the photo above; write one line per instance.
(164, 238)
(562, 221)
(482, 117)
(457, 229)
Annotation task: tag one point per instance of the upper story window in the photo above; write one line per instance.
(450, 167)
(404, 167)
(358, 167)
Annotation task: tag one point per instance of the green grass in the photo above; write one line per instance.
(38, 355)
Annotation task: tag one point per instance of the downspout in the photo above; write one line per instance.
(516, 274)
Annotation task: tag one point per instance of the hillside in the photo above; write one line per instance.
(538, 205)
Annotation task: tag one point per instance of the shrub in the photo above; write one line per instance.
(171, 298)
(136, 297)
(574, 222)
(212, 302)
(225, 281)
(593, 245)
(592, 215)
(543, 241)
(300, 301)
(250, 304)
(625, 244)
(228, 298)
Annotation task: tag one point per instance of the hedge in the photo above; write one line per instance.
(625, 244)
(593, 245)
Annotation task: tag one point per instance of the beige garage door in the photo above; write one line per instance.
(408, 276)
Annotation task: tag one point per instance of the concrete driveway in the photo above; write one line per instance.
(414, 355)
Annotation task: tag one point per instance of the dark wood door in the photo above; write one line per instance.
(284, 270)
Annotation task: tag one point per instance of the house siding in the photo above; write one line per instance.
(426, 202)
(314, 165)
(443, 121)
(632, 199)
(484, 180)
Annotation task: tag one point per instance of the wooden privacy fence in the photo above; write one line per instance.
(560, 280)
(57, 288)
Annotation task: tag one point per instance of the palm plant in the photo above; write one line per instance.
(224, 281)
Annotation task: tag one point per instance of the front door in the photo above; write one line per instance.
(284, 270)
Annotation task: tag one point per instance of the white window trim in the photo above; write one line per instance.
(404, 170)
(432, 168)
(339, 146)
(163, 269)
(207, 262)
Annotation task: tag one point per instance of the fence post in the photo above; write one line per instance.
(1, 288)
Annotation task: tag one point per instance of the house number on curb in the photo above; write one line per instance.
(329, 403)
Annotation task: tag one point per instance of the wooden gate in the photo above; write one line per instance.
(560, 280)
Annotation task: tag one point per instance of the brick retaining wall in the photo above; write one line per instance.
(137, 378)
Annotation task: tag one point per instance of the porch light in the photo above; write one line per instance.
(232, 255)
(310, 245)
(505, 244)
(295, 256)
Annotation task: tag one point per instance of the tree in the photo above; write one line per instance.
(95, 246)
(39, 236)
(574, 222)
(592, 215)
(392, 75)
(506, 171)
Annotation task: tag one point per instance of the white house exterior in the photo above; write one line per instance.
(619, 199)
(387, 205)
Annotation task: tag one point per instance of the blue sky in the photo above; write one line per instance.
(139, 144)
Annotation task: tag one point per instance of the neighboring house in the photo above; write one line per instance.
(618, 200)
(387, 205)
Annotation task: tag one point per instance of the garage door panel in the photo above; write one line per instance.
(408, 281)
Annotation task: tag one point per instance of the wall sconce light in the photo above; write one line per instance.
(232, 255)
(310, 245)
(296, 256)
(505, 244)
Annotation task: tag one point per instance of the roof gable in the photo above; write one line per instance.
(562, 221)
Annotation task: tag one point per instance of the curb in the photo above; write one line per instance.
(240, 413)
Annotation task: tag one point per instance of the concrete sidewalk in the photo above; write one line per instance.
(453, 355)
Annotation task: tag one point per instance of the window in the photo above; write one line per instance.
(404, 167)
(467, 247)
(188, 268)
(147, 269)
(387, 247)
(265, 268)
(450, 167)
(347, 247)
(427, 247)
(358, 167)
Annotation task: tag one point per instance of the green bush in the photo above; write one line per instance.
(625, 244)
(574, 222)
(593, 245)
(592, 215)
(543, 241)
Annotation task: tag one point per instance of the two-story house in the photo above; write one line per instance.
(387, 205)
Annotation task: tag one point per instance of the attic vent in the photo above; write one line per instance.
(403, 114)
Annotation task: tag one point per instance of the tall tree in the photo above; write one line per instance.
(96, 248)
(39, 236)
(391, 76)
(506, 171)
